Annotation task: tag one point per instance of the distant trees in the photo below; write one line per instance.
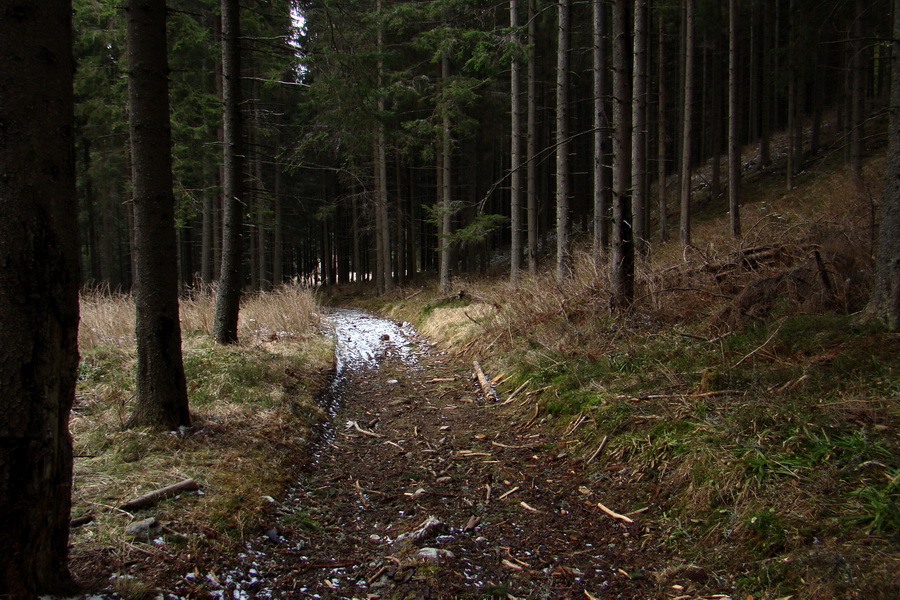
(38, 295)
(375, 137)
(161, 399)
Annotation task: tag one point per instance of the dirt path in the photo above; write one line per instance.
(510, 515)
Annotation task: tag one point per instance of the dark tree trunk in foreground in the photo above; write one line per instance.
(38, 295)
(161, 392)
(639, 201)
(885, 301)
(228, 299)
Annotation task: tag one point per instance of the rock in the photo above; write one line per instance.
(143, 530)
(429, 529)
(433, 555)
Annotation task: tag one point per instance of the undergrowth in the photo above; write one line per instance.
(741, 397)
(251, 404)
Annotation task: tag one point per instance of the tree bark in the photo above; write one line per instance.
(446, 200)
(884, 303)
(563, 250)
(601, 134)
(661, 190)
(734, 157)
(161, 399)
(531, 142)
(640, 205)
(515, 142)
(622, 258)
(228, 298)
(687, 124)
(38, 295)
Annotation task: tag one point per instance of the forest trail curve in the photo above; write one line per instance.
(421, 490)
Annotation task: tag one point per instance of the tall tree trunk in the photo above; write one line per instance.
(446, 200)
(884, 303)
(161, 399)
(206, 239)
(381, 165)
(734, 156)
(38, 295)
(515, 142)
(857, 94)
(278, 241)
(661, 134)
(622, 257)
(687, 124)
(640, 206)
(531, 142)
(770, 41)
(601, 134)
(228, 298)
(563, 250)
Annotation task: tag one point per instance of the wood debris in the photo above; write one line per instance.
(188, 485)
(614, 514)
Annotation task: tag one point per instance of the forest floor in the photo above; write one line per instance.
(420, 488)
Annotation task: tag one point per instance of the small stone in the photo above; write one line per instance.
(143, 530)
(444, 479)
(393, 381)
(433, 555)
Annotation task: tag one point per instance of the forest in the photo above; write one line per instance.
(450, 299)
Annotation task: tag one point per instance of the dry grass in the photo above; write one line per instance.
(764, 486)
(252, 404)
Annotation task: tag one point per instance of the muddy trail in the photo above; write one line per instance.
(420, 489)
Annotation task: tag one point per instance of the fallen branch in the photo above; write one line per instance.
(598, 450)
(147, 500)
(365, 431)
(513, 490)
(516, 393)
(79, 521)
(614, 514)
(487, 390)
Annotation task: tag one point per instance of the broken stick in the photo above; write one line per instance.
(487, 391)
(614, 514)
(188, 485)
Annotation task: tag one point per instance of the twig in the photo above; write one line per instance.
(516, 393)
(598, 450)
(614, 514)
(507, 493)
(365, 431)
(764, 344)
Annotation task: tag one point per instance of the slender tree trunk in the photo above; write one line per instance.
(38, 296)
(563, 250)
(687, 126)
(161, 399)
(381, 165)
(661, 189)
(884, 303)
(770, 41)
(278, 233)
(622, 258)
(446, 200)
(515, 184)
(640, 206)
(601, 134)
(734, 157)
(229, 292)
(531, 142)
(206, 239)
(857, 94)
